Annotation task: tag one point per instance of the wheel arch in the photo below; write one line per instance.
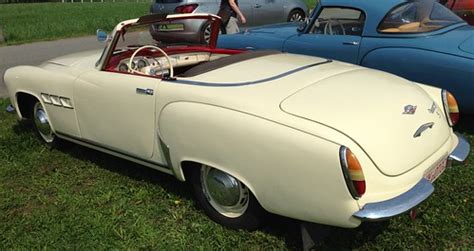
(189, 163)
(24, 103)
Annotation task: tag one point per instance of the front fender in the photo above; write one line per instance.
(290, 172)
(36, 81)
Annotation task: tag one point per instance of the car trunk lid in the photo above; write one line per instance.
(166, 6)
(373, 109)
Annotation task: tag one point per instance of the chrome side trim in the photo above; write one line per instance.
(462, 150)
(398, 205)
(103, 148)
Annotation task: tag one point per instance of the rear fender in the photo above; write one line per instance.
(445, 71)
(290, 172)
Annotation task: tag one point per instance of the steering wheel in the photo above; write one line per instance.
(328, 27)
(132, 70)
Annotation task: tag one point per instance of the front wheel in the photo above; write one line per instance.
(225, 199)
(42, 125)
(296, 16)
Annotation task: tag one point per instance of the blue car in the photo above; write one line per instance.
(420, 40)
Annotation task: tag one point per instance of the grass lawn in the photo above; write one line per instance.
(22, 23)
(83, 199)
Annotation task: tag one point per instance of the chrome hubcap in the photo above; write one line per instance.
(226, 194)
(207, 33)
(42, 123)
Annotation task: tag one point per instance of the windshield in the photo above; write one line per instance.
(417, 17)
(160, 34)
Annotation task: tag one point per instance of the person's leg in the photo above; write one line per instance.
(232, 26)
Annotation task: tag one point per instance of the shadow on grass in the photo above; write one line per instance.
(327, 238)
(466, 125)
(279, 226)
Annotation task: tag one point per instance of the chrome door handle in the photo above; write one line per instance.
(353, 43)
(145, 91)
(257, 6)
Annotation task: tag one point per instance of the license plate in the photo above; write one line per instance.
(433, 173)
(170, 27)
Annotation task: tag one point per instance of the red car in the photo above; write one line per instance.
(464, 8)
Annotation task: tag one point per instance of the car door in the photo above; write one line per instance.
(117, 111)
(267, 12)
(335, 33)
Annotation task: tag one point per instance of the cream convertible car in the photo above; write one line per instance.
(304, 137)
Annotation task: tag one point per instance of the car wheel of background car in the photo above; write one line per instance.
(296, 16)
(225, 199)
(206, 33)
(42, 125)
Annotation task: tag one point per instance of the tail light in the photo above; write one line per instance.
(184, 9)
(450, 107)
(353, 173)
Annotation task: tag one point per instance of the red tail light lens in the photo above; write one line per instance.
(451, 108)
(184, 9)
(353, 173)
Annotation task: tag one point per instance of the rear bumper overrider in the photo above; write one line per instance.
(413, 197)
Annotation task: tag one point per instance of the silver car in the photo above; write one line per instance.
(257, 12)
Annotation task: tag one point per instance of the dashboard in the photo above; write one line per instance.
(159, 66)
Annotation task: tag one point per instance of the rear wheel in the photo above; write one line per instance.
(42, 125)
(296, 15)
(225, 199)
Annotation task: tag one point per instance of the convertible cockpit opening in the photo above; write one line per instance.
(137, 49)
(153, 63)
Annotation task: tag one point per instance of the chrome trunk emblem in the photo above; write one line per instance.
(433, 108)
(409, 109)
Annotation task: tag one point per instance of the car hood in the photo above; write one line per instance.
(368, 106)
(76, 58)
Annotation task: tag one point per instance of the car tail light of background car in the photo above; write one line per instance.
(450, 107)
(353, 173)
(184, 9)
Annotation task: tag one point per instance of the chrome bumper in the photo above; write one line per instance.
(462, 150)
(398, 205)
(410, 199)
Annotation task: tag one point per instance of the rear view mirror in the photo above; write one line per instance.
(102, 35)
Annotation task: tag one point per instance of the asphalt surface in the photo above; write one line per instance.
(36, 53)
